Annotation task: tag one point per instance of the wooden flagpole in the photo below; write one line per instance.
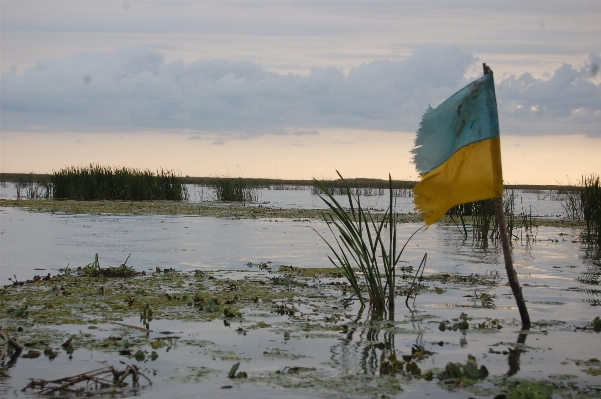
(511, 274)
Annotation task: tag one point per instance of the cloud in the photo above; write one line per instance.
(130, 90)
(135, 90)
(305, 133)
(568, 102)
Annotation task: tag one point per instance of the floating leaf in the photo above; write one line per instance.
(140, 355)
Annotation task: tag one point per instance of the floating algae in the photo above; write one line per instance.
(304, 336)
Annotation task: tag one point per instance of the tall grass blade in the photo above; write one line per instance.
(590, 200)
(366, 257)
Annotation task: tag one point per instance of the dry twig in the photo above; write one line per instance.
(8, 341)
(98, 376)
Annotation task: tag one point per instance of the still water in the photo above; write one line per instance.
(560, 278)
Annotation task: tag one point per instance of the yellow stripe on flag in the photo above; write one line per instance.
(473, 173)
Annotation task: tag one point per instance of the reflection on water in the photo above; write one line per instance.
(560, 281)
(548, 204)
(514, 355)
(32, 241)
(591, 277)
(553, 269)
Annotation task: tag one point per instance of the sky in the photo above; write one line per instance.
(292, 90)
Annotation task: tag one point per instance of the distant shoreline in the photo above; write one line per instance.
(265, 182)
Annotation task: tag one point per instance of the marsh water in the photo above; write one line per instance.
(559, 274)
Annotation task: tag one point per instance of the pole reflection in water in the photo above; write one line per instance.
(514, 354)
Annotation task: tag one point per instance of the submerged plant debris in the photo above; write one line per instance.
(301, 330)
(60, 316)
(234, 210)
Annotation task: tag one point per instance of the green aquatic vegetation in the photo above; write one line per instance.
(19, 313)
(83, 299)
(210, 209)
(364, 251)
(439, 290)
(230, 314)
(467, 373)
(562, 377)
(277, 353)
(364, 187)
(489, 278)
(229, 188)
(484, 300)
(32, 354)
(191, 209)
(157, 344)
(596, 324)
(593, 371)
(232, 373)
(283, 281)
(530, 390)
(94, 270)
(146, 315)
(583, 203)
(590, 201)
(97, 182)
(482, 216)
(493, 324)
(140, 355)
(571, 202)
(309, 379)
(461, 323)
(407, 365)
(311, 273)
(258, 325)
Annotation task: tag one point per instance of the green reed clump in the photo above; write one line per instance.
(480, 218)
(481, 214)
(233, 189)
(571, 203)
(590, 201)
(94, 270)
(583, 203)
(97, 182)
(366, 255)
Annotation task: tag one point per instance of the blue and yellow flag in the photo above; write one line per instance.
(458, 151)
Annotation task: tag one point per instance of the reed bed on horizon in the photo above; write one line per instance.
(97, 182)
(363, 187)
(277, 187)
(229, 188)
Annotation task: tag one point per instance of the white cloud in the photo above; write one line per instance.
(568, 102)
(137, 90)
